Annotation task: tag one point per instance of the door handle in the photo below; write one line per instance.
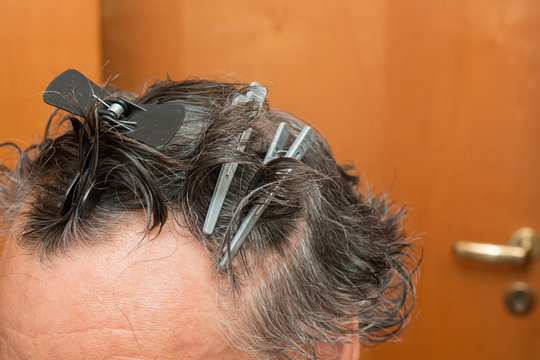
(523, 247)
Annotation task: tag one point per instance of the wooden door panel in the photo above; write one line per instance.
(462, 78)
(39, 40)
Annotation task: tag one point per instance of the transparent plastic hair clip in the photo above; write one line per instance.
(255, 93)
(296, 151)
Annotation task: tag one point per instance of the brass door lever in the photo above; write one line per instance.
(523, 247)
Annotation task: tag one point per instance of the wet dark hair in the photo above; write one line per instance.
(326, 262)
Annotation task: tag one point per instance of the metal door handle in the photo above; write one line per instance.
(524, 246)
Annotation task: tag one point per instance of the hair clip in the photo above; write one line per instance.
(151, 124)
(222, 187)
(296, 151)
(277, 144)
(255, 93)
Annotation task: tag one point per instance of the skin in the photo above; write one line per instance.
(123, 299)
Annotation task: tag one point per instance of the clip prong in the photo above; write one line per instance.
(256, 93)
(224, 181)
(296, 151)
(278, 142)
(302, 143)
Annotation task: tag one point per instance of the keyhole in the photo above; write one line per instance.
(519, 298)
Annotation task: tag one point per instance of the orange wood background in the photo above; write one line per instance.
(436, 100)
(39, 40)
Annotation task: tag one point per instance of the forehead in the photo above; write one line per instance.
(123, 299)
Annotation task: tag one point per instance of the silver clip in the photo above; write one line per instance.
(278, 142)
(256, 93)
(224, 181)
(302, 143)
(296, 151)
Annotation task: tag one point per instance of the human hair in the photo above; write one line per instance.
(327, 262)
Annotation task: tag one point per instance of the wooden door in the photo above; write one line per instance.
(462, 118)
(438, 101)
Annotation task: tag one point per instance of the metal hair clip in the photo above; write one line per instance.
(255, 93)
(296, 151)
(278, 143)
(152, 124)
(225, 178)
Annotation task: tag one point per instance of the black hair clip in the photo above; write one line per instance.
(151, 124)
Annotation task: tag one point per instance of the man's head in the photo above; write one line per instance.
(127, 272)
